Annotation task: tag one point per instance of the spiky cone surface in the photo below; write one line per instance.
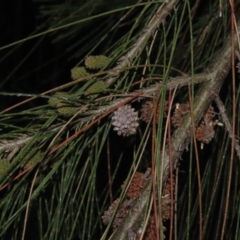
(120, 215)
(205, 131)
(180, 111)
(125, 121)
(96, 87)
(150, 233)
(66, 110)
(137, 184)
(79, 72)
(4, 166)
(109, 213)
(166, 200)
(210, 114)
(148, 108)
(97, 62)
(56, 98)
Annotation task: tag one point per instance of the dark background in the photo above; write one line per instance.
(44, 62)
(33, 66)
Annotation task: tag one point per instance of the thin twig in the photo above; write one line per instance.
(233, 122)
(109, 171)
(227, 124)
(149, 92)
(126, 60)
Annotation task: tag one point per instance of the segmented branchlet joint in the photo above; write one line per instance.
(125, 121)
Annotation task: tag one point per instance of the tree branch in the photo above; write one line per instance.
(218, 70)
(148, 92)
(126, 60)
(227, 123)
(135, 217)
(217, 73)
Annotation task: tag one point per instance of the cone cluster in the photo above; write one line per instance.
(125, 206)
(97, 87)
(97, 62)
(79, 72)
(125, 121)
(148, 108)
(92, 63)
(66, 110)
(205, 131)
(120, 215)
(166, 200)
(59, 101)
(180, 111)
(138, 182)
